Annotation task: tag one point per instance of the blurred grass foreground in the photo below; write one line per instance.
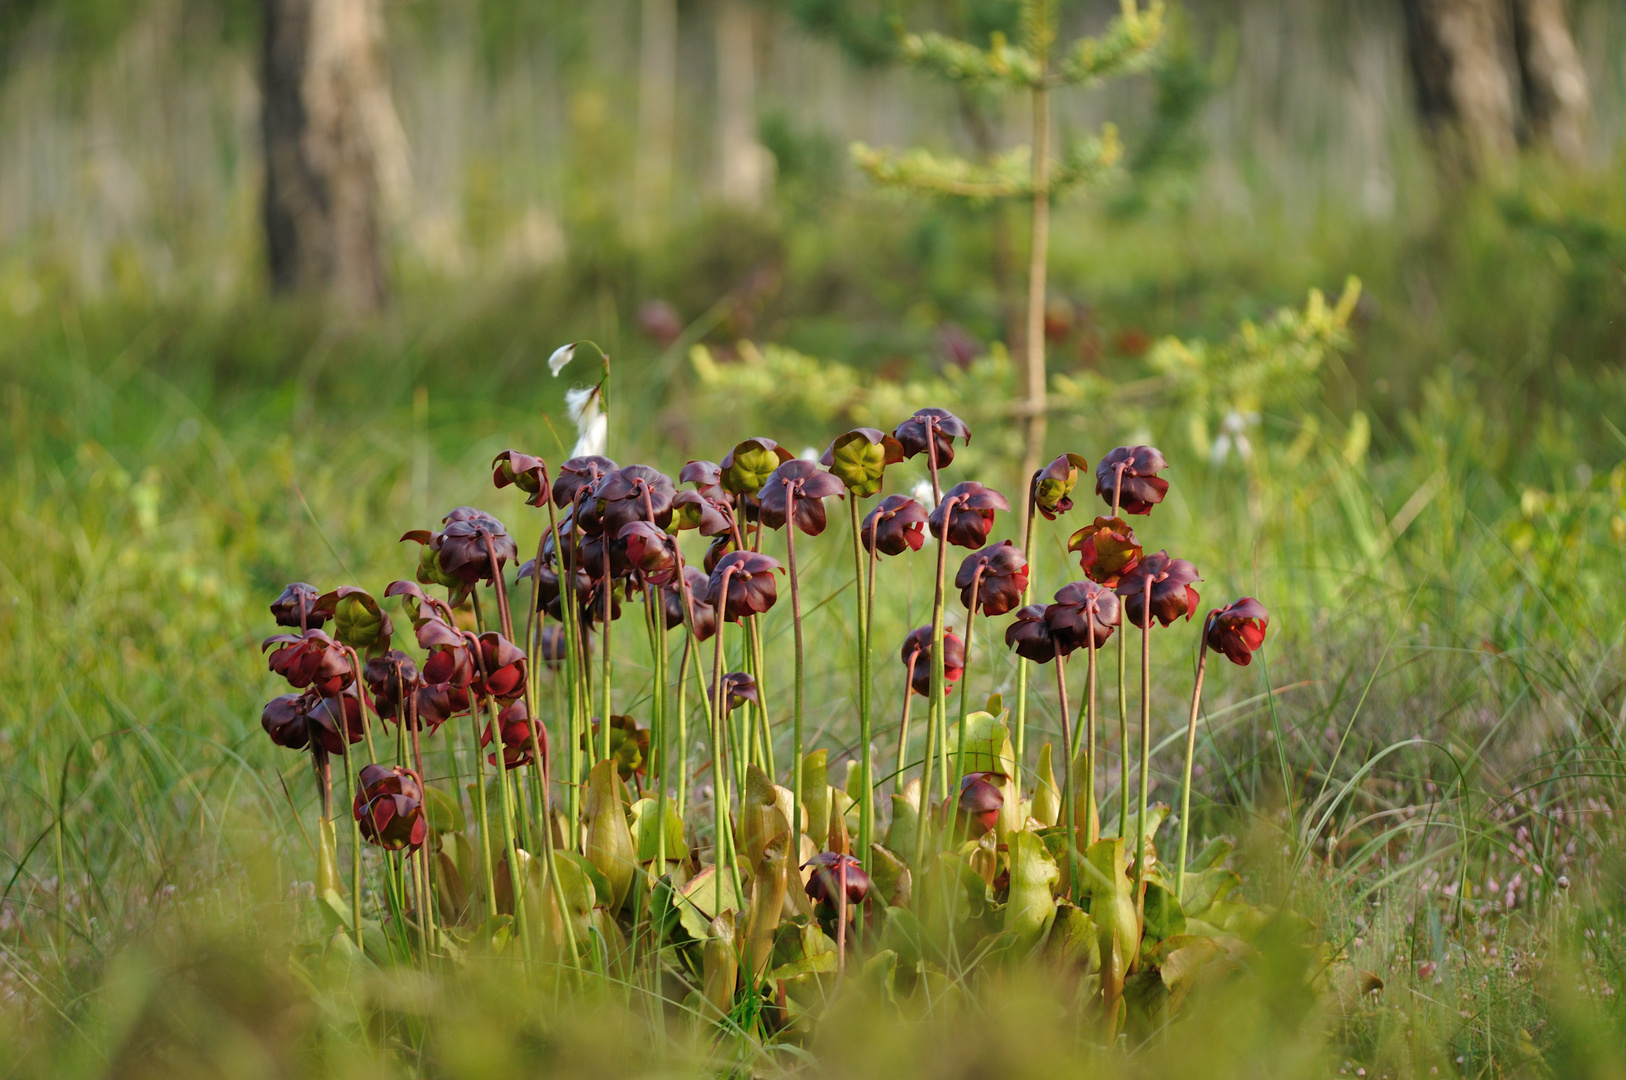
(1383, 350)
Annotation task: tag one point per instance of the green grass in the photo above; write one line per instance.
(1436, 520)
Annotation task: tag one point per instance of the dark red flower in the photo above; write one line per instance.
(634, 494)
(1237, 629)
(650, 551)
(738, 687)
(692, 510)
(1106, 550)
(705, 617)
(389, 807)
(930, 426)
(297, 720)
(830, 869)
(810, 486)
(1030, 636)
(1001, 574)
(1079, 606)
(720, 545)
(296, 608)
(1172, 594)
(751, 585)
(967, 511)
(898, 523)
(707, 478)
(578, 474)
(310, 659)
(517, 727)
(450, 661)
(529, 474)
(390, 678)
(593, 551)
(980, 801)
(1052, 486)
(462, 548)
(747, 467)
(858, 458)
(1141, 488)
(917, 659)
(503, 664)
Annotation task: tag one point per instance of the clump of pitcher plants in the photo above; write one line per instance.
(533, 793)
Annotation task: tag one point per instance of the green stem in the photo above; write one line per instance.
(903, 724)
(1123, 744)
(1021, 662)
(1191, 748)
(1069, 825)
(796, 698)
(721, 810)
(866, 779)
(609, 609)
(486, 861)
(1092, 817)
(965, 682)
(355, 828)
(1145, 744)
(683, 724)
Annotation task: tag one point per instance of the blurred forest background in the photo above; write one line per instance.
(532, 171)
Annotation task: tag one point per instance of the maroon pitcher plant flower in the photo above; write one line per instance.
(739, 687)
(516, 728)
(1000, 573)
(966, 515)
(311, 659)
(650, 551)
(751, 588)
(1106, 550)
(980, 801)
(503, 664)
(692, 510)
(1238, 629)
(1029, 635)
(296, 721)
(896, 525)
(1053, 485)
(578, 474)
(916, 655)
(672, 604)
(858, 458)
(1080, 607)
(806, 484)
(1139, 488)
(829, 867)
(707, 478)
(635, 493)
(389, 807)
(529, 474)
(1172, 594)
(461, 545)
(930, 426)
(296, 608)
(358, 621)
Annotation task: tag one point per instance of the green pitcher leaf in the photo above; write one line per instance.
(1203, 890)
(1164, 918)
(707, 895)
(647, 834)
(1046, 796)
(768, 885)
(1030, 907)
(816, 795)
(1074, 940)
(445, 815)
(609, 841)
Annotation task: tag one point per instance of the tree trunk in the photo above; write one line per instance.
(1555, 86)
(332, 148)
(1460, 59)
(743, 160)
(657, 111)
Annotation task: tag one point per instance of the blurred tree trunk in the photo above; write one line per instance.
(657, 111)
(1490, 74)
(332, 147)
(1555, 87)
(743, 161)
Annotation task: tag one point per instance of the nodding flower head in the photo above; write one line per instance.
(930, 428)
(650, 551)
(529, 474)
(635, 493)
(672, 604)
(629, 745)
(694, 510)
(1139, 488)
(1030, 637)
(858, 458)
(737, 688)
(981, 800)
(1107, 549)
(358, 621)
(1080, 608)
(1052, 487)
(830, 870)
(896, 525)
(311, 659)
(515, 728)
(1238, 629)
(578, 474)
(296, 608)
(1000, 575)
(1172, 594)
(389, 807)
(966, 514)
(462, 549)
(747, 467)
(501, 670)
(750, 584)
(707, 478)
(916, 655)
(330, 721)
(797, 489)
